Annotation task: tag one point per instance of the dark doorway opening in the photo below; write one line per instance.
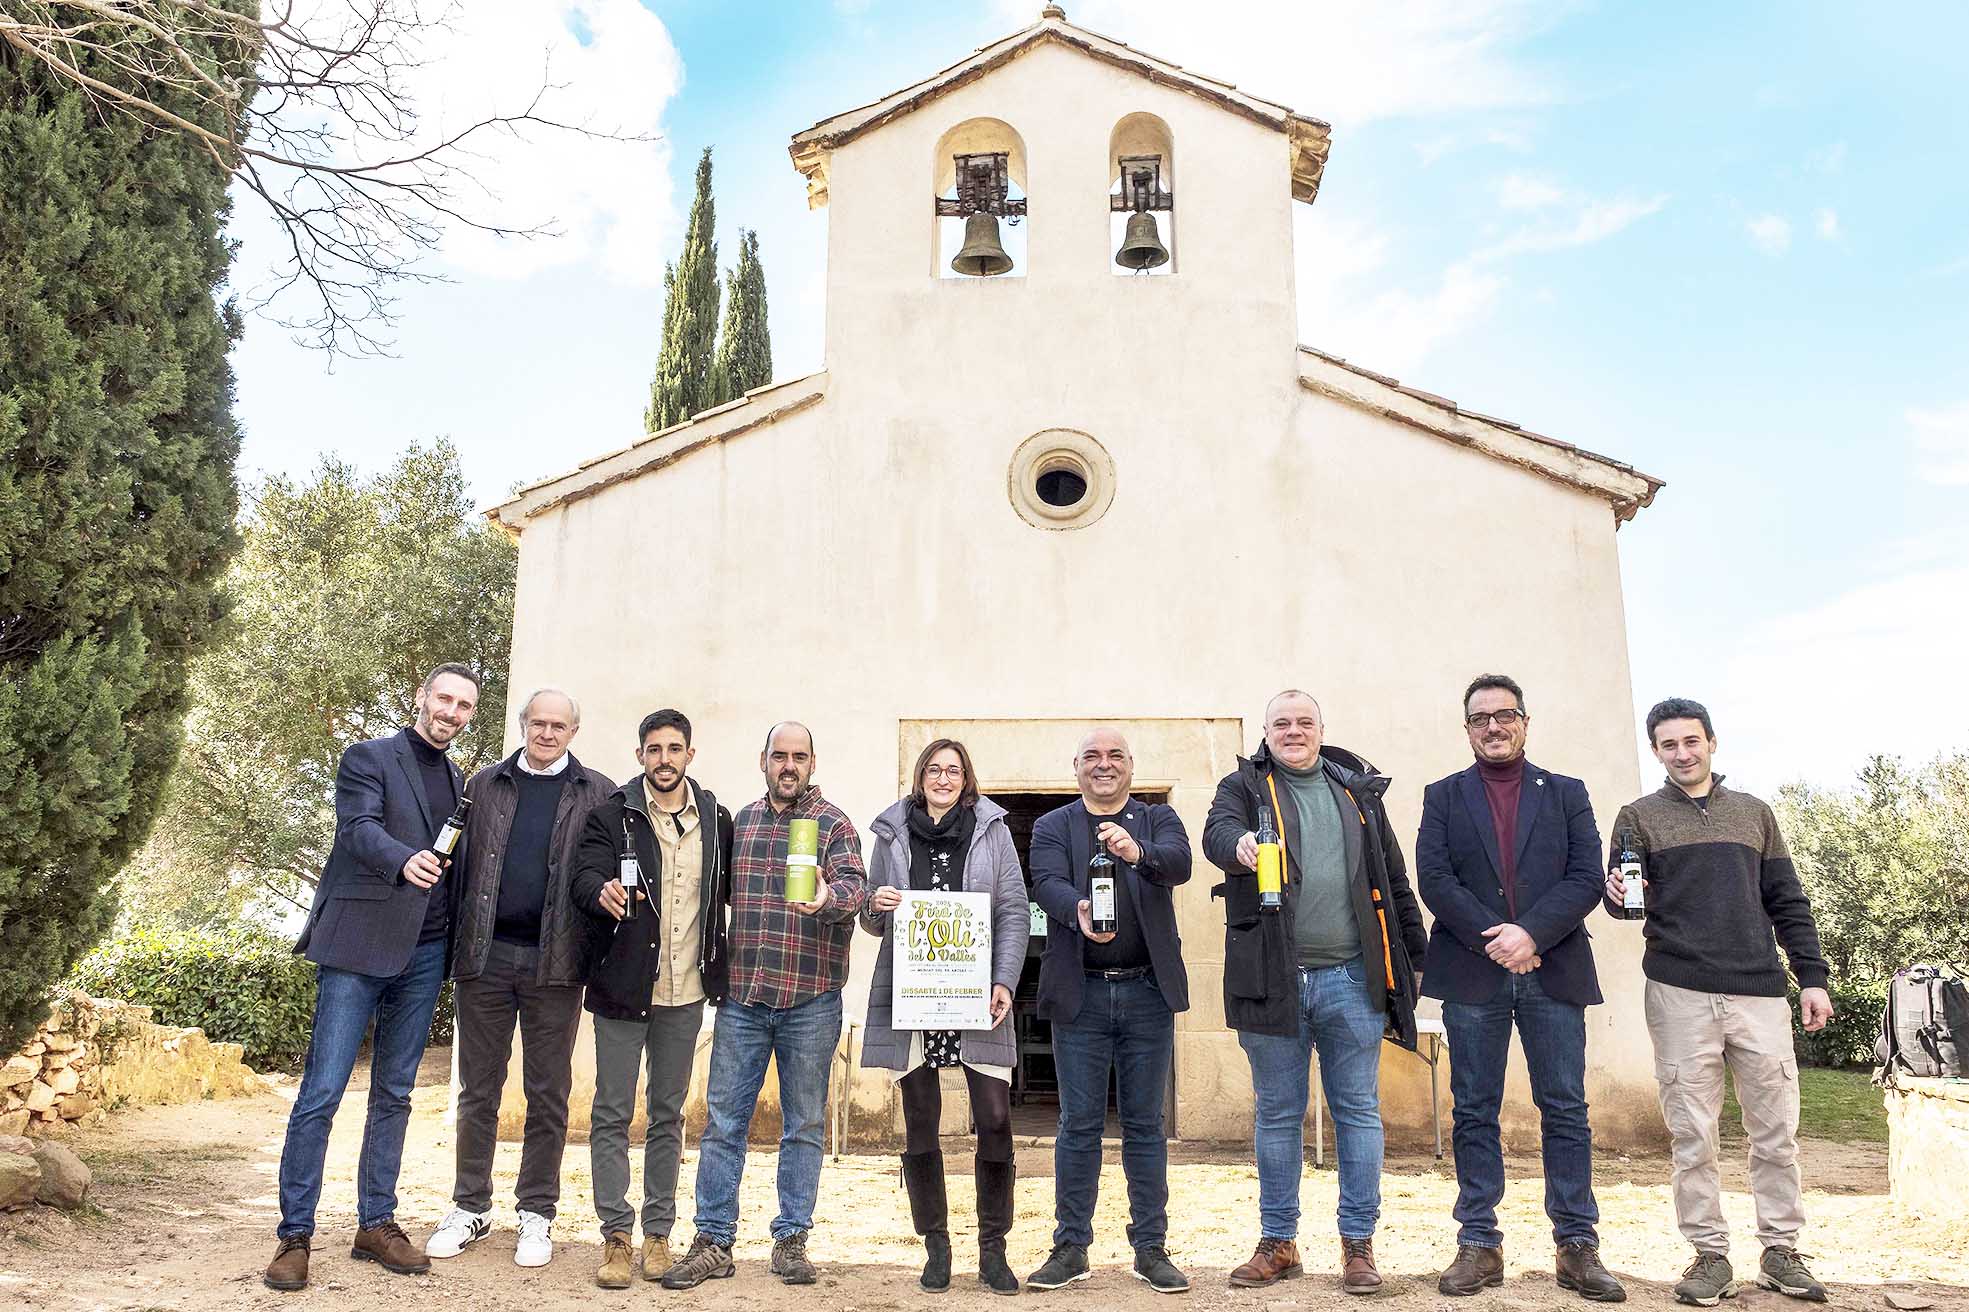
(1035, 1084)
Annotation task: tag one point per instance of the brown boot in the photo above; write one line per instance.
(388, 1247)
(289, 1268)
(1474, 1270)
(1357, 1273)
(1275, 1260)
(614, 1271)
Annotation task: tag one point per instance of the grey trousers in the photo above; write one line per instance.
(669, 1037)
(549, 1016)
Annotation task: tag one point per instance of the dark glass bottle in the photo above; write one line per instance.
(1270, 862)
(1100, 889)
(629, 872)
(1633, 902)
(452, 830)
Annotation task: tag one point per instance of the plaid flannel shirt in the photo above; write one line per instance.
(780, 958)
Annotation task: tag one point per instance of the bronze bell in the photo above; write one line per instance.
(983, 255)
(1141, 248)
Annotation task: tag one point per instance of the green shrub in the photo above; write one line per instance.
(242, 986)
(1847, 1039)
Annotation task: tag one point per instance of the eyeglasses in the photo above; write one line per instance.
(954, 773)
(1502, 719)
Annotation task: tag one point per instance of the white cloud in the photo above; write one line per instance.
(1826, 224)
(1591, 221)
(1829, 159)
(1941, 438)
(612, 68)
(1346, 308)
(1897, 638)
(1345, 61)
(1770, 233)
(1523, 191)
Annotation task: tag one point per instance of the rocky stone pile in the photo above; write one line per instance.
(91, 1054)
(38, 1171)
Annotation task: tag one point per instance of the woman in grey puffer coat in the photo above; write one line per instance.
(945, 837)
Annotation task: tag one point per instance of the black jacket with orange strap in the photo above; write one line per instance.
(1261, 972)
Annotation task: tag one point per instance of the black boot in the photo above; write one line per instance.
(922, 1174)
(994, 1222)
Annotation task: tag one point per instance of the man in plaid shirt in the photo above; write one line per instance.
(788, 963)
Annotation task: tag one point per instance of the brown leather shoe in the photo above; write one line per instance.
(1578, 1268)
(289, 1268)
(388, 1247)
(1474, 1270)
(1357, 1272)
(1275, 1260)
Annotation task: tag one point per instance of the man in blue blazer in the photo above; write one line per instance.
(1508, 862)
(1112, 999)
(380, 933)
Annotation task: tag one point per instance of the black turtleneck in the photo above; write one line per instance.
(440, 795)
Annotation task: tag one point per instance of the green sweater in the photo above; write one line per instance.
(1722, 895)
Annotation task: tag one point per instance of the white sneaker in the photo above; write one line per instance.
(457, 1230)
(536, 1246)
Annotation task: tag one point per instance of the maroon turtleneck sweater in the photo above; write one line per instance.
(1502, 785)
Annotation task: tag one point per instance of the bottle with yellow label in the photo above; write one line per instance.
(1270, 861)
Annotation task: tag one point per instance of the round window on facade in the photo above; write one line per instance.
(1061, 478)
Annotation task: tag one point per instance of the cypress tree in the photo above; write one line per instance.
(745, 354)
(684, 382)
(117, 444)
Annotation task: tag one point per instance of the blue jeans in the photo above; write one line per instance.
(1337, 1019)
(801, 1039)
(1124, 1026)
(344, 1003)
(1554, 1037)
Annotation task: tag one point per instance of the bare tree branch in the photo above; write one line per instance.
(324, 131)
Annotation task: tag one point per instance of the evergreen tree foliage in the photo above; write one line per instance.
(745, 352)
(685, 382)
(347, 591)
(117, 444)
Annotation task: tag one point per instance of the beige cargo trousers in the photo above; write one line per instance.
(1695, 1035)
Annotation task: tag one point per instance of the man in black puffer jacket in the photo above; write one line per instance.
(650, 977)
(1333, 968)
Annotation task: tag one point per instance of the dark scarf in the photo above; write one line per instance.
(952, 834)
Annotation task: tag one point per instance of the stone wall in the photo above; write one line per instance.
(92, 1055)
(1928, 1146)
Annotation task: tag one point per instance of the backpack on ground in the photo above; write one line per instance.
(1924, 1030)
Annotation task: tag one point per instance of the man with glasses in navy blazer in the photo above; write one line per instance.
(1508, 862)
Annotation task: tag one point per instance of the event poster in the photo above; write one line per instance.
(942, 953)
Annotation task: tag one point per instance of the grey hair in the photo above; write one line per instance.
(538, 693)
(1294, 692)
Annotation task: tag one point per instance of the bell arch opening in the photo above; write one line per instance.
(1141, 197)
(979, 223)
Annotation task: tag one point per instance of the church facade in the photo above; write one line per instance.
(1015, 506)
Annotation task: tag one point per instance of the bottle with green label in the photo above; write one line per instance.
(802, 860)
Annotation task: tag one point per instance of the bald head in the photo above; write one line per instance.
(1294, 728)
(788, 762)
(1104, 768)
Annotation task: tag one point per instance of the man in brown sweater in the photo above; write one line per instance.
(1722, 896)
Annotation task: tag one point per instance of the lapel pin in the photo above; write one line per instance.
(1539, 781)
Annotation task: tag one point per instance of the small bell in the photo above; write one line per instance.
(1141, 248)
(983, 254)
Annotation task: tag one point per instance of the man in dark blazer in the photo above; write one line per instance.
(1112, 1000)
(1508, 862)
(379, 931)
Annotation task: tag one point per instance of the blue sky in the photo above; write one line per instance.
(1725, 243)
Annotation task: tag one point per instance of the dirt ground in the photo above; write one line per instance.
(183, 1210)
